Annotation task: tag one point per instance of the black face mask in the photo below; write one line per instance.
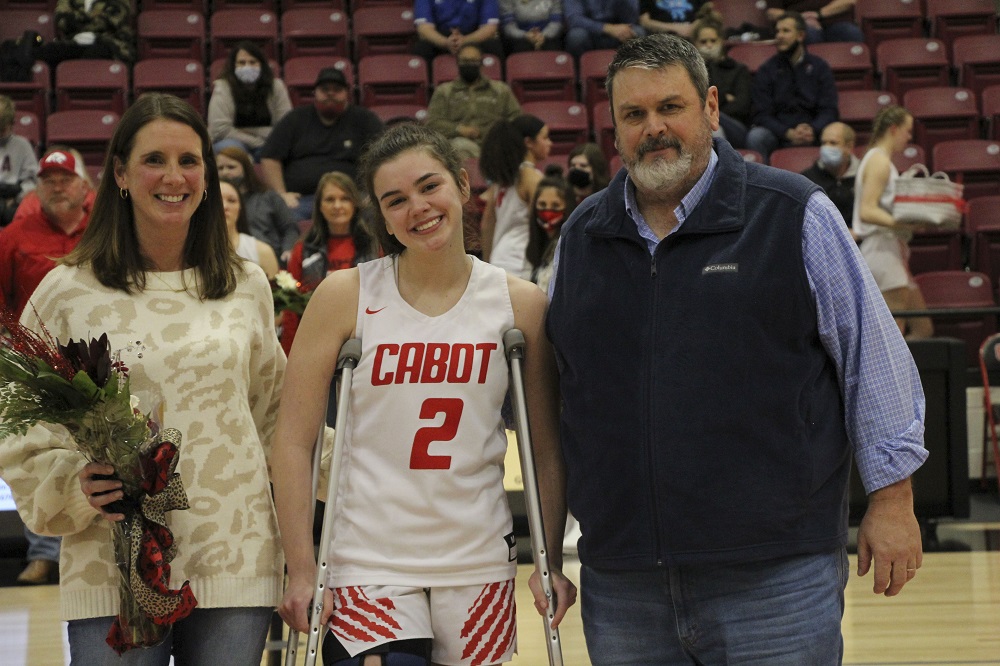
(578, 178)
(469, 73)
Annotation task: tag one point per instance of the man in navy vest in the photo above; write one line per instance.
(724, 354)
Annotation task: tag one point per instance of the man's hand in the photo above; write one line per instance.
(291, 199)
(889, 535)
(468, 131)
(562, 588)
(620, 31)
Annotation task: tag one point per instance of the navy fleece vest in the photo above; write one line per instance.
(702, 418)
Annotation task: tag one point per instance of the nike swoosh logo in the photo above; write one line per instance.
(370, 311)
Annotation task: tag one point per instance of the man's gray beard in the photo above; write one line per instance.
(661, 173)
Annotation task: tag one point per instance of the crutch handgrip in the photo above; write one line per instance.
(347, 360)
(513, 342)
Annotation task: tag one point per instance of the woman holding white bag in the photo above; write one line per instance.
(883, 240)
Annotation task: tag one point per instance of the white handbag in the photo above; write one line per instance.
(925, 198)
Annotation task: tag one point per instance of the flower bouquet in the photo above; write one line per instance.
(85, 388)
(288, 294)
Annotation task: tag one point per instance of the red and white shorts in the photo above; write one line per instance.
(469, 625)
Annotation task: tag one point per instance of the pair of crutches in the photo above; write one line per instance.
(350, 354)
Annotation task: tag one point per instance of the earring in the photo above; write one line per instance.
(205, 198)
(123, 193)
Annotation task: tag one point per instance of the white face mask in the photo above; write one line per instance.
(711, 53)
(247, 74)
(830, 157)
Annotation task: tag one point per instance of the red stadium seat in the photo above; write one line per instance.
(200, 6)
(31, 95)
(339, 5)
(380, 30)
(977, 61)
(537, 76)
(795, 158)
(101, 85)
(960, 289)
(567, 121)
(312, 31)
(87, 130)
(990, 101)
(857, 108)
(950, 19)
(26, 125)
(365, 4)
(182, 77)
(300, 76)
(912, 154)
(16, 21)
(982, 224)
(444, 68)
(749, 155)
(171, 33)
(393, 78)
(889, 19)
(393, 113)
(973, 162)
(752, 54)
(38, 5)
(604, 129)
(942, 114)
(851, 63)
(936, 250)
(266, 5)
(906, 64)
(739, 13)
(231, 26)
(593, 71)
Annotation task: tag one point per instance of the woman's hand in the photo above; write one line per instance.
(101, 491)
(563, 590)
(295, 605)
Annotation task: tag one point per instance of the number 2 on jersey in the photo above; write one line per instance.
(420, 458)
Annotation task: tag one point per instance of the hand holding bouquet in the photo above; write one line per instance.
(288, 294)
(85, 388)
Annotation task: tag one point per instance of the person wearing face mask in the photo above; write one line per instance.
(730, 77)
(465, 109)
(552, 205)
(309, 141)
(836, 167)
(247, 100)
(588, 170)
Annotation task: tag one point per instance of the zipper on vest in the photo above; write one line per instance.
(652, 265)
(650, 435)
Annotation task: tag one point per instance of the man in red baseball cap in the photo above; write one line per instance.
(47, 225)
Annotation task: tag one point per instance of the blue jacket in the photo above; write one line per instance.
(702, 418)
(784, 96)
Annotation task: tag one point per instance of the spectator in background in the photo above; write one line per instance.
(600, 24)
(794, 96)
(531, 25)
(731, 78)
(268, 216)
(676, 16)
(29, 247)
(18, 164)
(309, 141)
(588, 171)
(552, 205)
(883, 242)
(445, 26)
(836, 168)
(246, 246)
(337, 239)
(510, 152)
(247, 101)
(826, 20)
(465, 109)
(91, 29)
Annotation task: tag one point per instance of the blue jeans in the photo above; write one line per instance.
(763, 141)
(784, 612)
(42, 547)
(206, 637)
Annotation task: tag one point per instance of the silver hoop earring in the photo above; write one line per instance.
(205, 198)
(123, 193)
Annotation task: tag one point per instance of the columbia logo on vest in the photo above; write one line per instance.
(720, 268)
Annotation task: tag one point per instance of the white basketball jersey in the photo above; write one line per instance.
(421, 499)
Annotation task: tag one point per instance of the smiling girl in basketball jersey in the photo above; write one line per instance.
(422, 559)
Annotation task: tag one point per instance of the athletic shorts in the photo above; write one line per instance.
(472, 624)
(888, 257)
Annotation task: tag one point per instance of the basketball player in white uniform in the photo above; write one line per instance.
(422, 556)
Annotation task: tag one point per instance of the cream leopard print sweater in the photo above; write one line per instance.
(217, 365)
